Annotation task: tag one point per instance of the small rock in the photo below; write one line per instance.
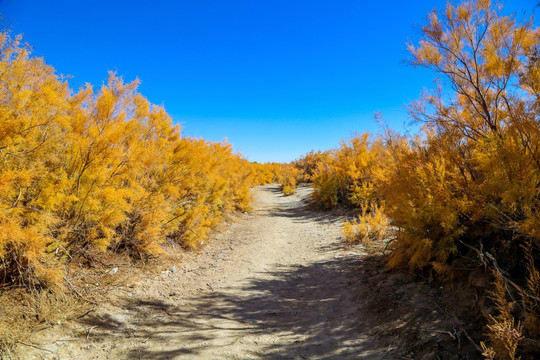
(113, 271)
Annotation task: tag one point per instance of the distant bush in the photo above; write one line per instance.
(291, 177)
(345, 175)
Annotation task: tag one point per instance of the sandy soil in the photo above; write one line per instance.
(274, 285)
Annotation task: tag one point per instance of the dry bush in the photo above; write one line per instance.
(98, 171)
(288, 189)
(504, 333)
(467, 186)
(308, 164)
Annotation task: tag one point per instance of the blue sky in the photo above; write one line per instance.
(277, 78)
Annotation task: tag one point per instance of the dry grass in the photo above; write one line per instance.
(23, 313)
(86, 283)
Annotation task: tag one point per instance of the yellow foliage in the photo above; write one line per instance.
(102, 171)
(468, 184)
(369, 226)
(269, 173)
(344, 175)
(503, 332)
(291, 176)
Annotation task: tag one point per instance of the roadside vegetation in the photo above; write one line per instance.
(98, 174)
(464, 193)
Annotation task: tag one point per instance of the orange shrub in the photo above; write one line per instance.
(97, 171)
(469, 185)
(345, 175)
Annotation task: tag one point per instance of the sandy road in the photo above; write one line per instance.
(276, 284)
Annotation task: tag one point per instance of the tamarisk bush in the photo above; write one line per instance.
(467, 186)
(470, 184)
(101, 170)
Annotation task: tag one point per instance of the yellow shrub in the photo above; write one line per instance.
(345, 175)
(97, 171)
(288, 190)
(291, 176)
(370, 225)
(468, 185)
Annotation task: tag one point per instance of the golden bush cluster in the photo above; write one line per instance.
(468, 185)
(106, 171)
(101, 170)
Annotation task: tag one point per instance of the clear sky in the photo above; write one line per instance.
(277, 78)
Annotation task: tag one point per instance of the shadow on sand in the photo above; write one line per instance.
(308, 309)
(342, 307)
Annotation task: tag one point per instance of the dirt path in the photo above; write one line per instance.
(275, 285)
